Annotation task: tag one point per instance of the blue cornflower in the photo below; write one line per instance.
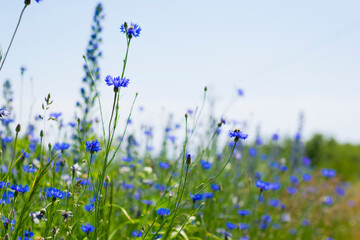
(328, 172)
(4, 184)
(291, 190)
(307, 177)
(89, 207)
(61, 146)
(252, 152)
(215, 187)
(283, 168)
(93, 146)
(132, 31)
(136, 233)
(38, 1)
(243, 212)
(294, 180)
(275, 137)
(87, 228)
(205, 164)
(230, 226)
(3, 113)
(208, 195)
(28, 234)
(164, 165)
(328, 200)
(306, 161)
(240, 92)
(55, 115)
(147, 202)
(262, 185)
(29, 168)
(340, 191)
(20, 188)
(196, 197)
(55, 193)
(274, 202)
(243, 226)
(163, 211)
(117, 81)
(237, 134)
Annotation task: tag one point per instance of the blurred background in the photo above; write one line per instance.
(287, 58)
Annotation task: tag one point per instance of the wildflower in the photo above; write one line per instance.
(237, 134)
(20, 188)
(4, 184)
(274, 202)
(87, 228)
(136, 233)
(230, 226)
(89, 207)
(306, 161)
(294, 180)
(243, 212)
(76, 169)
(55, 116)
(163, 211)
(328, 200)
(340, 191)
(148, 202)
(208, 195)
(205, 164)
(329, 173)
(3, 113)
(66, 215)
(240, 92)
(164, 165)
(55, 193)
(275, 137)
(291, 190)
(196, 197)
(116, 82)
(252, 152)
(93, 146)
(262, 185)
(133, 31)
(307, 177)
(215, 187)
(243, 226)
(29, 168)
(61, 146)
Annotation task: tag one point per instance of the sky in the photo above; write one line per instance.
(287, 56)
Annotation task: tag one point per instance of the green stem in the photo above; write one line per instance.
(12, 39)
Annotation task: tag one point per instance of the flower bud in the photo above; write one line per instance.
(27, 2)
(18, 128)
(188, 160)
(41, 133)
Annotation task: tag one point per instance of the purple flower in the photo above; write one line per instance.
(206, 165)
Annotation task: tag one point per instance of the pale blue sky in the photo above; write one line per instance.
(288, 56)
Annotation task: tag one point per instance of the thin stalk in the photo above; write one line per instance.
(12, 39)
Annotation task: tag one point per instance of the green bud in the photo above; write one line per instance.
(18, 128)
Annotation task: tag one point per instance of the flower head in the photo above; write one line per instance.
(163, 211)
(116, 82)
(20, 188)
(87, 228)
(93, 146)
(3, 113)
(61, 146)
(237, 134)
(55, 193)
(132, 31)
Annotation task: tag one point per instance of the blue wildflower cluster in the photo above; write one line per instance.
(122, 185)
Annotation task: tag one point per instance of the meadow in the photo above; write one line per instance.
(96, 179)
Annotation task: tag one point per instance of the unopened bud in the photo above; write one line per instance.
(41, 133)
(188, 160)
(107, 179)
(125, 25)
(7, 237)
(18, 128)
(27, 2)
(205, 88)
(50, 146)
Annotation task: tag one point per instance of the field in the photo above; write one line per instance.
(100, 179)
